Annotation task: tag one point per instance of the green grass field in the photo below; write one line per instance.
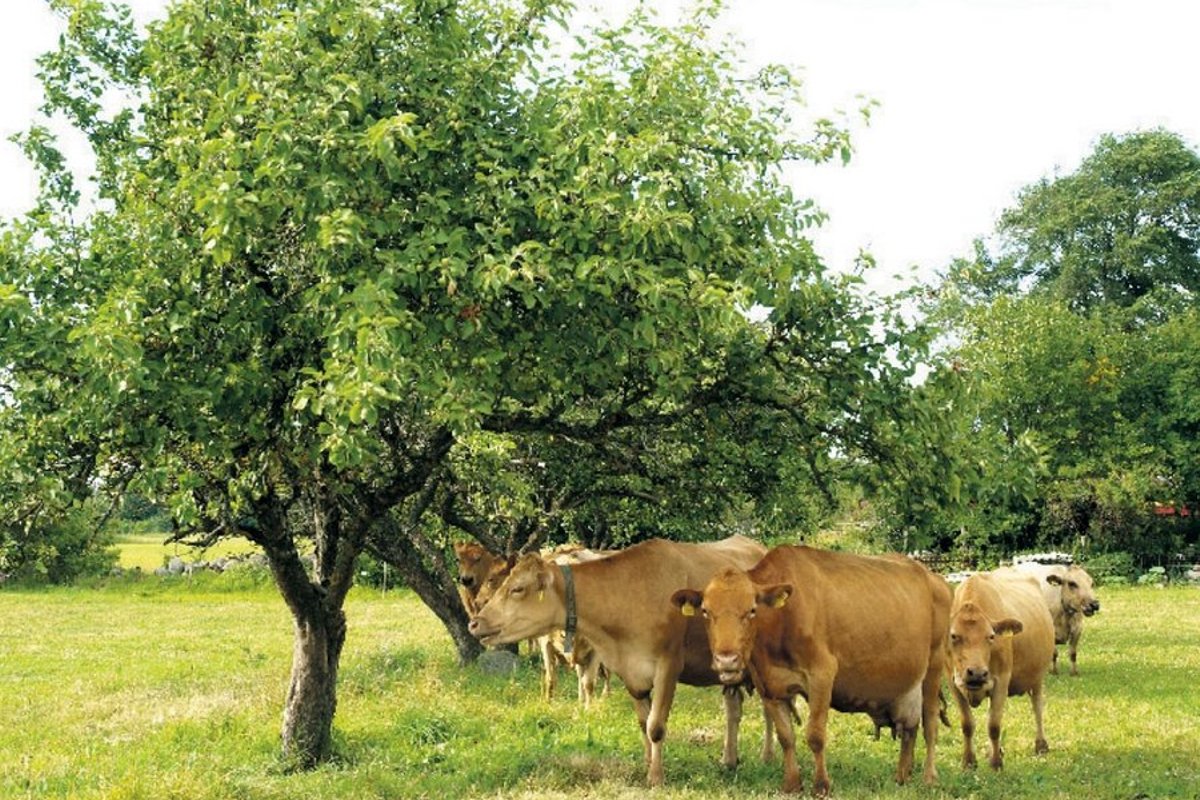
(174, 689)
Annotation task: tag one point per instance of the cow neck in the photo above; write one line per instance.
(572, 615)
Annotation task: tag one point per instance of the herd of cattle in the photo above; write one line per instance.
(853, 633)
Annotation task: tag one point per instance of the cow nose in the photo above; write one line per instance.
(977, 675)
(727, 662)
(473, 627)
(467, 581)
(1092, 608)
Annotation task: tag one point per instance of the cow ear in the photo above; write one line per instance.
(1054, 580)
(1010, 626)
(775, 596)
(459, 547)
(687, 601)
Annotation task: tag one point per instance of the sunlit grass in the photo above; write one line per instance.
(173, 688)
(149, 551)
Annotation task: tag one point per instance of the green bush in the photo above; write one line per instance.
(1111, 568)
(76, 546)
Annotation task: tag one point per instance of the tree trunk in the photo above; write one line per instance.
(312, 691)
(320, 626)
(436, 591)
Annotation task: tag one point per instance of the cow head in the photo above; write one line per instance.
(474, 564)
(1075, 587)
(973, 637)
(496, 576)
(524, 605)
(730, 605)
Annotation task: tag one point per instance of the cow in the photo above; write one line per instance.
(844, 631)
(1070, 597)
(1001, 641)
(622, 606)
(475, 563)
(581, 656)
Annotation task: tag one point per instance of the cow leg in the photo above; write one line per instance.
(731, 697)
(665, 678)
(780, 713)
(1054, 661)
(587, 684)
(1038, 698)
(930, 713)
(549, 667)
(968, 727)
(1073, 647)
(819, 699)
(641, 705)
(995, 719)
(768, 748)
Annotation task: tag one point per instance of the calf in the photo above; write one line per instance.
(1001, 641)
(475, 563)
(1069, 595)
(848, 632)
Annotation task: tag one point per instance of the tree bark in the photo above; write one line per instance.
(312, 691)
(320, 624)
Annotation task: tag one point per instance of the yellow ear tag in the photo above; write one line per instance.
(541, 595)
(688, 610)
(780, 601)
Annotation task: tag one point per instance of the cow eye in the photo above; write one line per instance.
(1072, 585)
(704, 613)
(955, 639)
(517, 590)
(750, 614)
(991, 637)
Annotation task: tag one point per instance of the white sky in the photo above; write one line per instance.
(978, 99)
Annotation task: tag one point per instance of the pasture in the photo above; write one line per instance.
(160, 689)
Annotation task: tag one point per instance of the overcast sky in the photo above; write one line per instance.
(977, 99)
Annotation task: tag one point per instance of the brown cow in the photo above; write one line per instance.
(848, 632)
(1001, 641)
(1069, 595)
(475, 563)
(622, 604)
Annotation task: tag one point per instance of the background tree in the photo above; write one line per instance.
(1071, 338)
(334, 242)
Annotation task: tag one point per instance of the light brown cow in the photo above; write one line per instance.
(1001, 641)
(848, 632)
(475, 563)
(581, 657)
(623, 608)
(1070, 596)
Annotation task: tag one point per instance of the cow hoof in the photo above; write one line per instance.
(1041, 747)
(821, 788)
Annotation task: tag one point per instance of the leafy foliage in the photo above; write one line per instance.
(1078, 339)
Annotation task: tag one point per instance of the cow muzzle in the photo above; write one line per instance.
(468, 581)
(729, 667)
(482, 631)
(975, 678)
(1091, 608)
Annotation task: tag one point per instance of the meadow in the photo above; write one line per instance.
(173, 688)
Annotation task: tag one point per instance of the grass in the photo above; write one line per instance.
(173, 688)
